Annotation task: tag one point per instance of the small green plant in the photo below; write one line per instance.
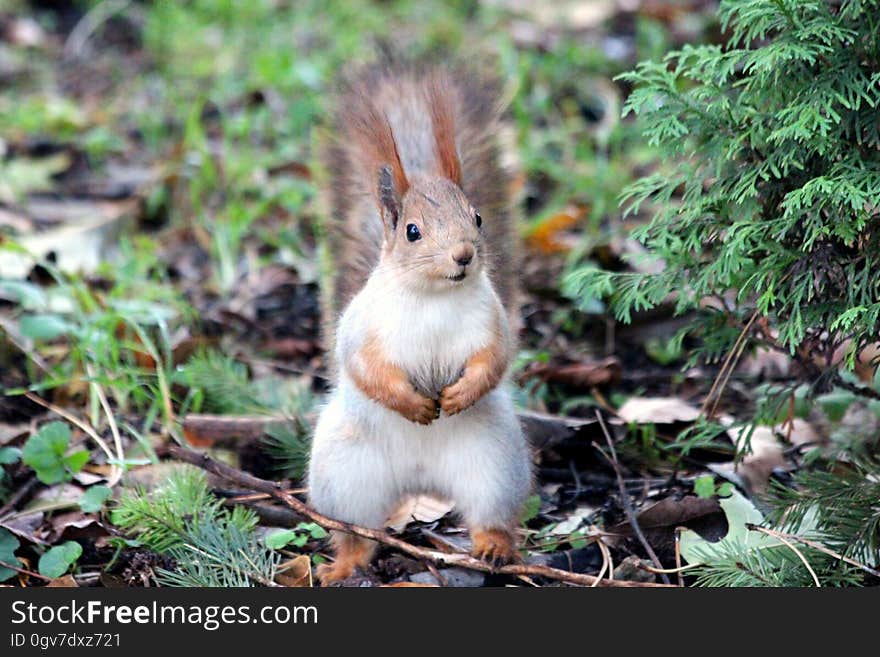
(210, 544)
(58, 559)
(94, 498)
(704, 486)
(297, 537)
(8, 545)
(48, 453)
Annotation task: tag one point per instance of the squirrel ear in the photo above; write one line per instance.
(388, 200)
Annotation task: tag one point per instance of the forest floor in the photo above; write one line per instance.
(159, 286)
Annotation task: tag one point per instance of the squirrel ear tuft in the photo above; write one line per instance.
(388, 199)
(443, 125)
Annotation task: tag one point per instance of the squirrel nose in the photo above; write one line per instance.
(463, 254)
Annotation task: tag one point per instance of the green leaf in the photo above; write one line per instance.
(93, 499)
(704, 486)
(531, 508)
(44, 452)
(9, 455)
(77, 460)
(285, 537)
(725, 489)
(59, 559)
(8, 546)
(314, 529)
(44, 327)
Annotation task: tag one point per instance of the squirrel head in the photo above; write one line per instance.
(433, 238)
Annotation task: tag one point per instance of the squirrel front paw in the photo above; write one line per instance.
(457, 397)
(419, 409)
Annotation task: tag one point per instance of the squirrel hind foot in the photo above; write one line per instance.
(495, 546)
(351, 553)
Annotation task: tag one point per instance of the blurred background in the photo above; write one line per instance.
(160, 231)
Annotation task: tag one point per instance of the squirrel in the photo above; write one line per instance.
(419, 311)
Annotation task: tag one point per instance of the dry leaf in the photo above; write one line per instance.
(66, 582)
(574, 520)
(657, 410)
(422, 508)
(799, 432)
(295, 573)
(755, 468)
(578, 375)
(548, 236)
(670, 512)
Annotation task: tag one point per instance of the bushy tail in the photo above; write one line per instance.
(415, 118)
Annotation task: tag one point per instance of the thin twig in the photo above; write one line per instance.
(791, 546)
(457, 559)
(93, 19)
(29, 573)
(816, 546)
(111, 421)
(678, 566)
(606, 561)
(669, 571)
(727, 368)
(625, 501)
(84, 426)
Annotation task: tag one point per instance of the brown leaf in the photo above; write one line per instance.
(296, 572)
(202, 430)
(548, 236)
(66, 582)
(670, 512)
(579, 375)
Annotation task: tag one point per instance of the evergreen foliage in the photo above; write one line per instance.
(775, 188)
(210, 544)
(768, 202)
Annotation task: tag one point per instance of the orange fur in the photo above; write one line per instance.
(440, 93)
(494, 545)
(351, 552)
(388, 384)
(483, 371)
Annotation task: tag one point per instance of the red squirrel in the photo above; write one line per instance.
(419, 311)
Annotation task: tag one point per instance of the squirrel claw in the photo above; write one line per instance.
(456, 398)
(329, 573)
(495, 546)
(423, 411)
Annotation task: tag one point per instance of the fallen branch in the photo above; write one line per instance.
(455, 559)
(202, 430)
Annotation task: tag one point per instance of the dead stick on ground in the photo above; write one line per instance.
(457, 559)
(627, 506)
(25, 572)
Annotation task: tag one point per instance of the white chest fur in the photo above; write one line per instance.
(430, 336)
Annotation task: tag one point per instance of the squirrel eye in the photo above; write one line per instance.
(412, 233)
(478, 218)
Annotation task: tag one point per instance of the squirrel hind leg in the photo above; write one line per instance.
(496, 546)
(350, 552)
